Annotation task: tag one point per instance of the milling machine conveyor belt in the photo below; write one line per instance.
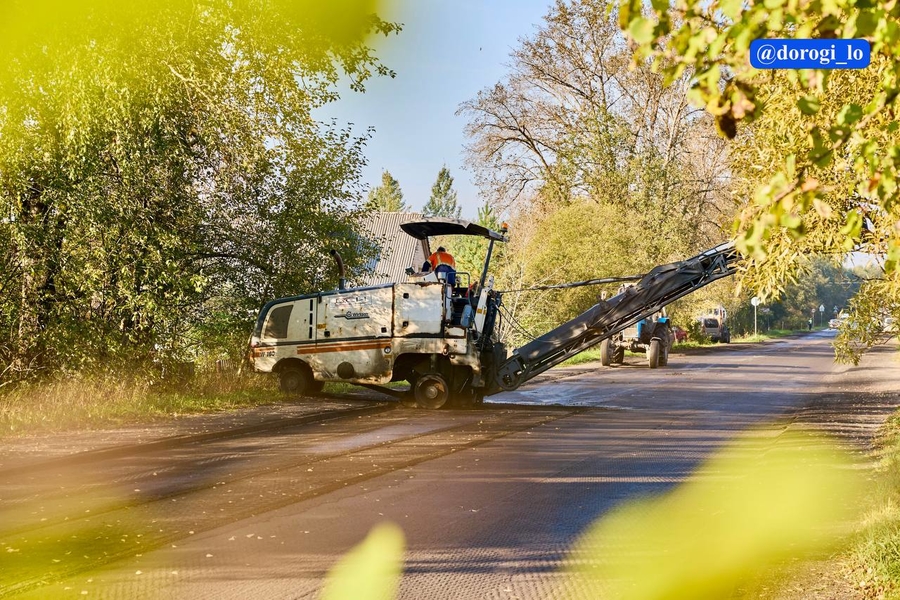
(661, 286)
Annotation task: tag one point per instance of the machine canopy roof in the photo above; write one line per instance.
(440, 226)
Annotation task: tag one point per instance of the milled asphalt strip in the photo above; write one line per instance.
(155, 523)
(99, 508)
(169, 443)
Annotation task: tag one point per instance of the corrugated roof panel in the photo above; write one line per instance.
(399, 250)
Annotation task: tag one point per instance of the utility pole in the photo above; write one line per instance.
(755, 302)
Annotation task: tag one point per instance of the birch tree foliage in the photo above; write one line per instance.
(572, 120)
(823, 145)
(601, 168)
(160, 168)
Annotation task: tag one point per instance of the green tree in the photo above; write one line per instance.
(387, 197)
(827, 141)
(160, 171)
(469, 251)
(442, 202)
(584, 240)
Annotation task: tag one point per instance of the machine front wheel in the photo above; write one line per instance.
(653, 353)
(431, 391)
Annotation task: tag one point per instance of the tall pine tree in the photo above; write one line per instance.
(387, 197)
(442, 202)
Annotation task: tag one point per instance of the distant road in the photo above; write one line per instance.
(490, 500)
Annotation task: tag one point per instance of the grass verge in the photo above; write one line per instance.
(594, 353)
(771, 334)
(874, 561)
(101, 402)
(90, 403)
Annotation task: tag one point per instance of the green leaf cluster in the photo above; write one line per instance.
(161, 173)
(816, 152)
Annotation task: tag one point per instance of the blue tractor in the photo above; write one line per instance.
(652, 335)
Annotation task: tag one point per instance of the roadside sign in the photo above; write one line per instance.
(821, 308)
(754, 301)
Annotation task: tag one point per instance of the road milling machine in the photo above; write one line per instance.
(442, 337)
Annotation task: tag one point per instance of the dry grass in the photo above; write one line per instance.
(103, 401)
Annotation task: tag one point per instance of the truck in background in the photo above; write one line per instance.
(712, 324)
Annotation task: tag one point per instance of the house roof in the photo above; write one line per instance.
(398, 250)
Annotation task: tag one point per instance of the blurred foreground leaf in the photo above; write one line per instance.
(745, 510)
(371, 570)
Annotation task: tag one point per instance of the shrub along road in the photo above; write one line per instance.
(490, 500)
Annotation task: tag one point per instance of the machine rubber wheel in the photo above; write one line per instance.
(653, 354)
(316, 386)
(431, 391)
(294, 380)
(664, 356)
(619, 356)
(604, 353)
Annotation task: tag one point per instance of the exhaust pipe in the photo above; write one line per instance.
(342, 282)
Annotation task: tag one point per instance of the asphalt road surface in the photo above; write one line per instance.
(260, 504)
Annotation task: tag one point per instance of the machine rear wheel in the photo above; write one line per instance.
(664, 356)
(431, 391)
(604, 353)
(653, 354)
(296, 380)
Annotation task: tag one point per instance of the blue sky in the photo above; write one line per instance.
(447, 52)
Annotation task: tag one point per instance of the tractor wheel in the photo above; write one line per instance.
(296, 380)
(619, 356)
(664, 356)
(604, 353)
(653, 354)
(431, 391)
(316, 387)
